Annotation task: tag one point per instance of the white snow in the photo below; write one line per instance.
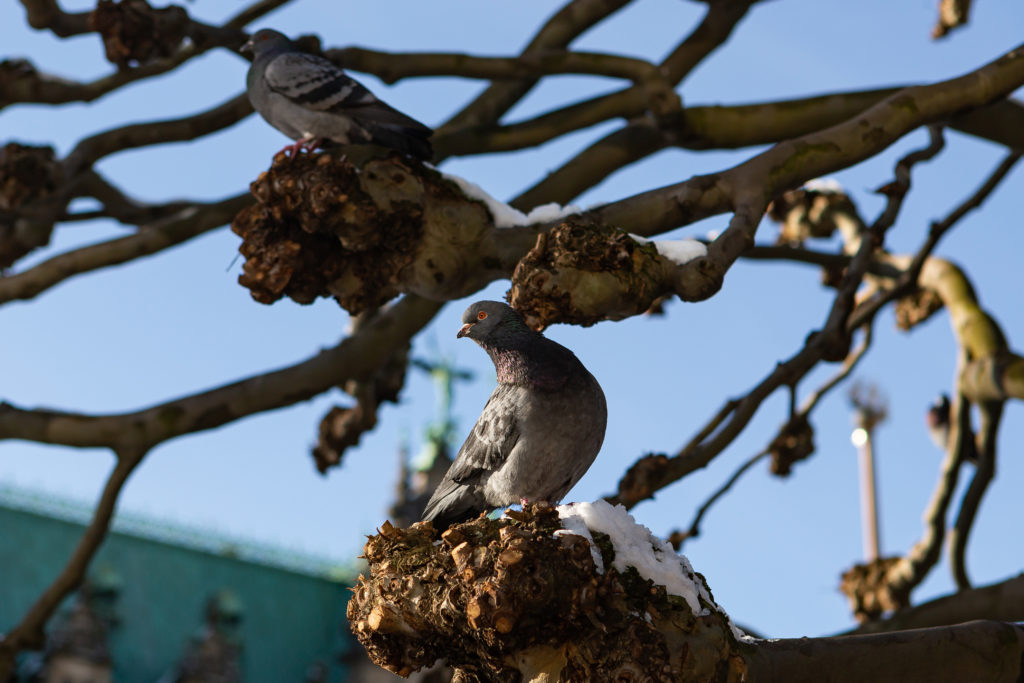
(824, 185)
(679, 252)
(635, 546)
(505, 216)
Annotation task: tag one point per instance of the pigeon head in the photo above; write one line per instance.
(486, 322)
(265, 40)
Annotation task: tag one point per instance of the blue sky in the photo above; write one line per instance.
(772, 550)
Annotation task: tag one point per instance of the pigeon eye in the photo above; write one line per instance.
(481, 315)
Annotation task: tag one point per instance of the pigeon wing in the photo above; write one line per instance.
(485, 450)
(316, 83)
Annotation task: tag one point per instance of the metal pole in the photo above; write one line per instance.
(870, 410)
(868, 497)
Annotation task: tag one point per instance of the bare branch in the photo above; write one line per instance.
(356, 357)
(97, 146)
(394, 66)
(569, 22)
(182, 226)
(654, 95)
(979, 650)
(20, 82)
(913, 568)
(1003, 601)
(677, 538)
(830, 343)
(984, 471)
(28, 634)
(851, 361)
(616, 150)
(47, 14)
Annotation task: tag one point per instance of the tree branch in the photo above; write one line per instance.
(20, 82)
(984, 471)
(678, 538)
(573, 19)
(97, 146)
(1002, 601)
(187, 223)
(830, 343)
(653, 95)
(978, 650)
(391, 67)
(28, 634)
(356, 357)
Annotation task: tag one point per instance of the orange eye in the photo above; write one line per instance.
(481, 315)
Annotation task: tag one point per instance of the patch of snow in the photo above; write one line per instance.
(551, 212)
(503, 215)
(635, 546)
(824, 185)
(680, 252)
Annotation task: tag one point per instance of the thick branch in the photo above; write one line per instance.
(1002, 601)
(975, 651)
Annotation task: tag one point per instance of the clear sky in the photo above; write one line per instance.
(772, 550)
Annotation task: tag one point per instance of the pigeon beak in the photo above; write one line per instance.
(247, 47)
(464, 330)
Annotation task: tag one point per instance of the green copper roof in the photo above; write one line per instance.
(292, 604)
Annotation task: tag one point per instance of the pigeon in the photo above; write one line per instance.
(311, 100)
(539, 432)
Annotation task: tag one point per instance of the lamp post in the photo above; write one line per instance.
(870, 410)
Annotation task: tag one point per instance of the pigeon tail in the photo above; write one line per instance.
(452, 505)
(407, 140)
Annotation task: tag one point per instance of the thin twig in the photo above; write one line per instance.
(694, 529)
(820, 345)
(914, 567)
(849, 364)
(566, 25)
(908, 280)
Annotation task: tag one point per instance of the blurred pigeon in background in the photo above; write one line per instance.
(311, 100)
(538, 433)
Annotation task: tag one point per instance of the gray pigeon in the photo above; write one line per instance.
(538, 433)
(311, 100)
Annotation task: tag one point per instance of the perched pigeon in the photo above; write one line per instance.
(311, 100)
(538, 433)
